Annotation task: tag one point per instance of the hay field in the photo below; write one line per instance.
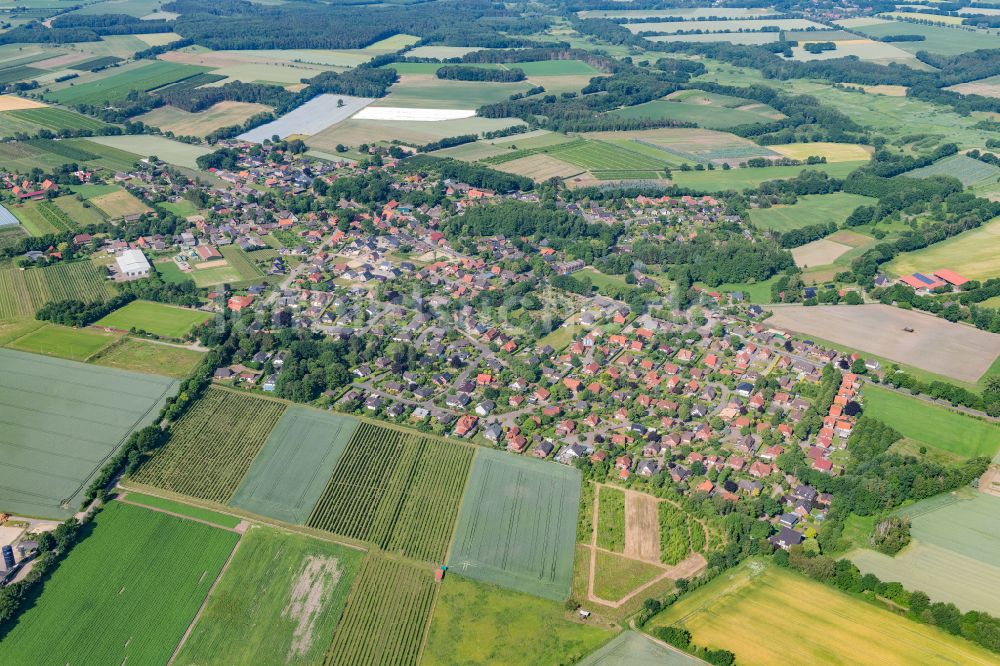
(988, 87)
(540, 167)
(15, 103)
(184, 123)
(737, 612)
(864, 49)
(819, 253)
(169, 321)
(833, 152)
(955, 553)
(682, 12)
(936, 345)
(885, 89)
(745, 38)
(972, 254)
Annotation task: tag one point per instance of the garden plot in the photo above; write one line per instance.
(312, 117)
(935, 345)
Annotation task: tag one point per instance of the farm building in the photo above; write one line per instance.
(132, 264)
(920, 281)
(951, 277)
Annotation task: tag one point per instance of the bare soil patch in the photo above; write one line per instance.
(318, 578)
(642, 527)
(936, 345)
(818, 253)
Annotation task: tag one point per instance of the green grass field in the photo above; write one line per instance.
(145, 356)
(611, 519)
(809, 209)
(80, 214)
(709, 116)
(278, 602)
(143, 76)
(166, 321)
(478, 623)
(737, 611)
(968, 170)
(955, 553)
(517, 526)
(132, 587)
(936, 426)
(213, 445)
(386, 614)
(972, 254)
(30, 121)
(738, 179)
(75, 344)
(397, 490)
(630, 648)
(937, 39)
(292, 470)
(62, 421)
(168, 150)
(188, 510)
(40, 218)
(616, 576)
(241, 263)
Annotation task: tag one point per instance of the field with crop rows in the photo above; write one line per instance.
(292, 470)
(966, 169)
(44, 217)
(278, 602)
(116, 86)
(517, 526)
(22, 292)
(61, 421)
(29, 121)
(398, 491)
(213, 445)
(611, 519)
(239, 260)
(386, 615)
(131, 587)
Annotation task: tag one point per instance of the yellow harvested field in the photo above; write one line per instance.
(886, 90)
(119, 204)
(818, 253)
(15, 103)
(833, 152)
(737, 611)
(540, 167)
(183, 123)
(218, 263)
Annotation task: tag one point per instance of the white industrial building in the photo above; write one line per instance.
(132, 264)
